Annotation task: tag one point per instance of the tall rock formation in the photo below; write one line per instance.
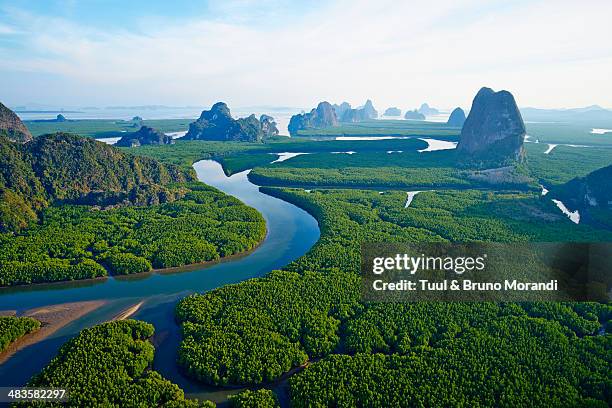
(456, 118)
(494, 132)
(322, 117)
(145, 136)
(369, 110)
(393, 112)
(218, 124)
(366, 112)
(268, 126)
(340, 109)
(12, 127)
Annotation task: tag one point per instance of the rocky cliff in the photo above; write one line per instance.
(12, 127)
(218, 124)
(393, 112)
(366, 112)
(494, 132)
(456, 118)
(321, 117)
(268, 126)
(145, 136)
(369, 110)
(340, 109)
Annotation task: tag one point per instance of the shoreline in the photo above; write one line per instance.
(52, 319)
(140, 275)
(127, 313)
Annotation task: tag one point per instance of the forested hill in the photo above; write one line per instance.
(74, 169)
(593, 190)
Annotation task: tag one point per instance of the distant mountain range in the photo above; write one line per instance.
(589, 113)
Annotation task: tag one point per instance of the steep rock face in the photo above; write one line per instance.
(366, 112)
(322, 117)
(268, 126)
(592, 191)
(393, 112)
(354, 115)
(369, 110)
(494, 131)
(456, 118)
(250, 129)
(145, 136)
(414, 115)
(426, 110)
(340, 109)
(12, 127)
(218, 124)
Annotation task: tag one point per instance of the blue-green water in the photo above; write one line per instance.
(291, 232)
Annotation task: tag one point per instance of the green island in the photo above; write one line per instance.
(12, 328)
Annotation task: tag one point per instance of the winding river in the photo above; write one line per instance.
(291, 232)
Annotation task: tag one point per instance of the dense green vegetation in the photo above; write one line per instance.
(309, 317)
(12, 328)
(109, 365)
(255, 331)
(254, 399)
(432, 354)
(78, 242)
(349, 217)
(512, 361)
(406, 170)
(565, 162)
(71, 169)
(103, 128)
(241, 155)
(570, 133)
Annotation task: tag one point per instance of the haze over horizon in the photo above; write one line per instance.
(288, 53)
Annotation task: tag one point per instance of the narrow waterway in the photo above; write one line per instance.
(291, 232)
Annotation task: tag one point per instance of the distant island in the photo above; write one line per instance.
(321, 117)
(456, 118)
(145, 136)
(58, 119)
(218, 124)
(366, 112)
(341, 109)
(414, 115)
(393, 112)
(427, 110)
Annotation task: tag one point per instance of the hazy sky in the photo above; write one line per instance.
(552, 53)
